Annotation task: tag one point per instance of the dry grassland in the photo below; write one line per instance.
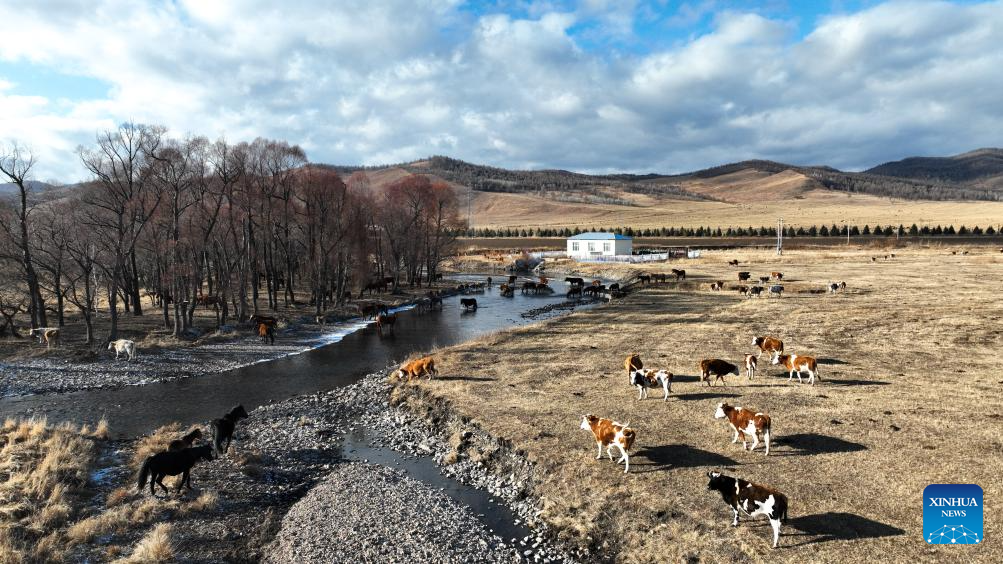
(50, 506)
(909, 395)
(814, 207)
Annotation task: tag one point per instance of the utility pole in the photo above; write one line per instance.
(780, 236)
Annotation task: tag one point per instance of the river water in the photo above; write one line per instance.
(134, 410)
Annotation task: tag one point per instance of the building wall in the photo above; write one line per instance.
(608, 248)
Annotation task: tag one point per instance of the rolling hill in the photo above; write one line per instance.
(981, 168)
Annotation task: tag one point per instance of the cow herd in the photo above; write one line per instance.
(750, 426)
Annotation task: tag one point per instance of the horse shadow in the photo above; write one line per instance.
(806, 444)
(833, 526)
(678, 456)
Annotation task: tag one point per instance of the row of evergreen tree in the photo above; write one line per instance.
(813, 231)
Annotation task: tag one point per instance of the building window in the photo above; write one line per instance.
(574, 245)
(605, 247)
(592, 247)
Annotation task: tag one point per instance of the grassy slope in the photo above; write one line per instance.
(912, 345)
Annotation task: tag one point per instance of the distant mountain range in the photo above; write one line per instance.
(977, 175)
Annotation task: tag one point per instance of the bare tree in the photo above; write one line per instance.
(121, 204)
(16, 163)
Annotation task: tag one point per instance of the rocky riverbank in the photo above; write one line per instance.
(289, 479)
(231, 348)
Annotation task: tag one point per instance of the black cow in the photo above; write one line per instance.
(743, 276)
(752, 499)
(469, 304)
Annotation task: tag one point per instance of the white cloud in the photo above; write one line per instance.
(371, 82)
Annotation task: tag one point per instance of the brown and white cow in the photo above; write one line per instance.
(719, 368)
(610, 434)
(416, 368)
(632, 363)
(747, 423)
(769, 345)
(750, 366)
(798, 363)
(752, 499)
(777, 275)
(719, 285)
(645, 378)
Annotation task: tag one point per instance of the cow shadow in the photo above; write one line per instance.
(839, 526)
(684, 378)
(853, 382)
(806, 444)
(705, 395)
(466, 379)
(665, 457)
(830, 361)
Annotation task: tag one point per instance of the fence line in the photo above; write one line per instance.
(656, 257)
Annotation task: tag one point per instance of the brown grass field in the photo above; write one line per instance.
(909, 395)
(812, 207)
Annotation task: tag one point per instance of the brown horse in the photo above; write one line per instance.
(385, 320)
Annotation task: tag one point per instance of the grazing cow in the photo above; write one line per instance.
(842, 285)
(575, 281)
(777, 289)
(416, 368)
(798, 363)
(223, 428)
(660, 277)
(679, 274)
(719, 285)
(645, 378)
(48, 335)
(719, 368)
(755, 291)
(123, 346)
(387, 321)
(733, 262)
(777, 275)
(750, 366)
(768, 345)
(506, 291)
(743, 276)
(833, 287)
(632, 364)
(185, 441)
(752, 499)
(764, 279)
(610, 434)
(267, 333)
(574, 292)
(744, 290)
(591, 291)
(747, 423)
(468, 304)
(644, 278)
(172, 463)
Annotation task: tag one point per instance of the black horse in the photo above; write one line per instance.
(172, 463)
(186, 441)
(222, 428)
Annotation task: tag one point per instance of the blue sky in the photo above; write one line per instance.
(596, 85)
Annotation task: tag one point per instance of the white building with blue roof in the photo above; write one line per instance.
(589, 245)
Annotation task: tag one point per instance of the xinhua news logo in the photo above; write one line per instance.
(952, 514)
